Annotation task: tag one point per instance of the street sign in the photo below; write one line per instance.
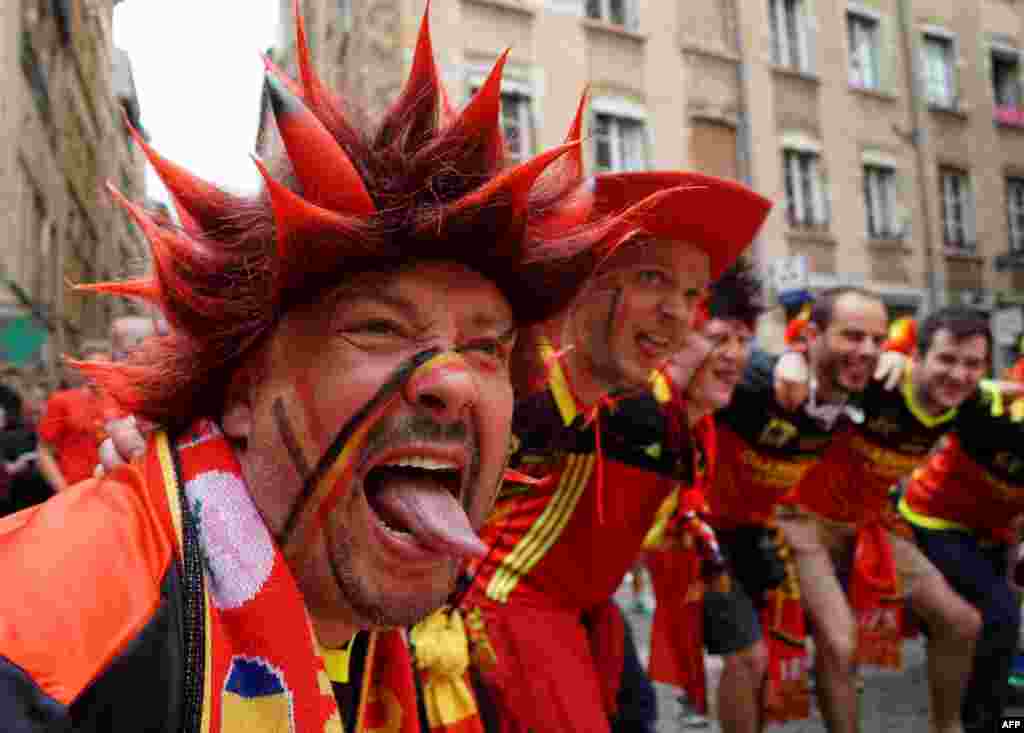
(790, 273)
(1007, 325)
(21, 339)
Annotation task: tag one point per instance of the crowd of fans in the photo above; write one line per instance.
(50, 441)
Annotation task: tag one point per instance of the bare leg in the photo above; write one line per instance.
(740, 689)
(835, 631)
(953, 626)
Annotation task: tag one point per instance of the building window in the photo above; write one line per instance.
(862, 34)
(789, 34)
(1015, 211)
(517, 124)
(938, 71)
(620, 143)
(35, 75)
(344, 15)
(617, 12)
(805, 195)
(1006, 78)
(880, 202)
(957, 208)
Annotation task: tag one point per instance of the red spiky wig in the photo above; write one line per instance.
(424, 183)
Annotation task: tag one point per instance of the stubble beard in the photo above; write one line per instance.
(382, 610)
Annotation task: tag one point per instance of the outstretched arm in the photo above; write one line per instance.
(49, 468)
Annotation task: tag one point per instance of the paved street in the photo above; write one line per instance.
(891, 703)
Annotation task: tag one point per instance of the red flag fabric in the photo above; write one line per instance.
(876, 599)
(787, 691)
(677, 630)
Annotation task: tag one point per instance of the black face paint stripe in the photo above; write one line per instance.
(387, 390)
(612, 311)
(606, 356)
(291, 444)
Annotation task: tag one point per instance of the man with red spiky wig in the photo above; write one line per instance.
(336, 399)
(599, 442)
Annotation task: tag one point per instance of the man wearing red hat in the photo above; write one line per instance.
(597, 447)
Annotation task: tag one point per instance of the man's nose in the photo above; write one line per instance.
(735, 351)
(677, 306)
(869, 347)
(444, 387)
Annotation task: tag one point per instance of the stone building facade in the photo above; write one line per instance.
(913, 189)
(62, 133)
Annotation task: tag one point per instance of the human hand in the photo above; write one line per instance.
(125, 442)
(682, 365)
(20, 463)
(892, 365)
(706, 544)
(792, 379)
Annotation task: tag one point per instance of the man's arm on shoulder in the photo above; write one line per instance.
(49, 467)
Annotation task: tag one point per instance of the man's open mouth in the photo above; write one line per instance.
(652, 341)
(418, 498)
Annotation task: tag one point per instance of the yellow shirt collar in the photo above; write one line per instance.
(923, 416)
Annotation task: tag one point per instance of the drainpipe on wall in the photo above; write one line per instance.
(744, 143)
(918, 138)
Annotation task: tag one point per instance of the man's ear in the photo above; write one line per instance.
(811, 333)
(237, 420)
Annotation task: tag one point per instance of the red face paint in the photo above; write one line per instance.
(333, 476)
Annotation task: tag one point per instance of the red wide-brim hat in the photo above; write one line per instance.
(719, 216)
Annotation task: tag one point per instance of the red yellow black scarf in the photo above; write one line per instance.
(262, 668)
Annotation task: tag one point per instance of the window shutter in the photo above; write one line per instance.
(808, 24)
(633, 15)
(822, 197)
(779, 36)
(947, 207)
(970, 228)
(886, 48)
(793, 170)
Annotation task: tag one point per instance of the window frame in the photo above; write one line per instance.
(881, 204)
(1006, 55)
(806, 209)
(521, 96)
(872, 23)
(603, 11)
(616, 139)
(790, 51)
(523, 118)
(956, 193)
(1015, 213)
(936, 36)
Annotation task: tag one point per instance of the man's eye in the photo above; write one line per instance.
(650, 277)
(491, 347)
(378, 327)
(489, 353)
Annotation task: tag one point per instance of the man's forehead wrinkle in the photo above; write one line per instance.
(484, 321)
(389, 292)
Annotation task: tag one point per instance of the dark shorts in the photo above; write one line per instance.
(730, 621)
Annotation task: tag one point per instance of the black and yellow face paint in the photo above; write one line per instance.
(334, 473)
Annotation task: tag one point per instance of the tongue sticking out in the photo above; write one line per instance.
(430, 514)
